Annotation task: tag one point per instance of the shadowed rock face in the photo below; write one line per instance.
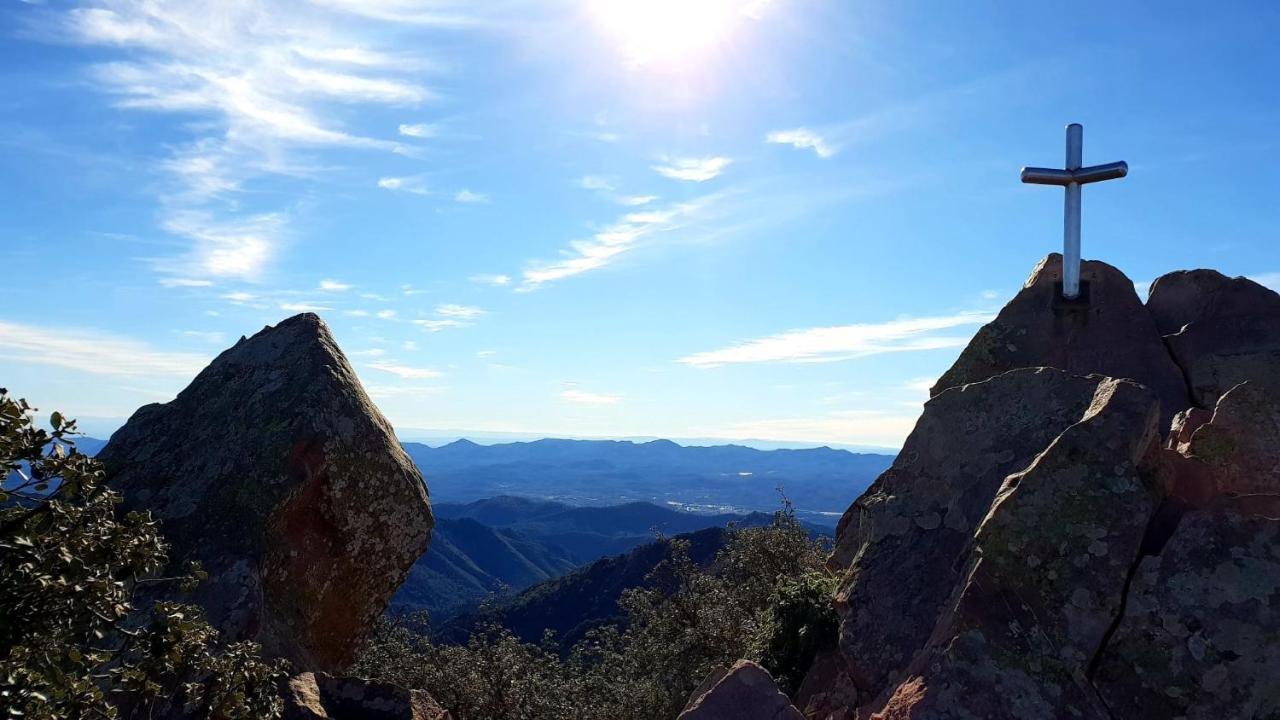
(1037, 550)
(745, 691)
(901, 546)
(1046, 578)
(1113, 335)
(275, 471)
(1221, 331)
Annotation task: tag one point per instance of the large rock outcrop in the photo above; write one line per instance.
(275, 471)
(745, 691)
(1111, 333)
(1221, 331)
(901, 546)
(1038, 549)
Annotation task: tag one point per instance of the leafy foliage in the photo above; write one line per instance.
(74, 641)
(766, 597)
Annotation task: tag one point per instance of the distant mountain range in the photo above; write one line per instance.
(722, 478)
(505, 544)
(583, 599)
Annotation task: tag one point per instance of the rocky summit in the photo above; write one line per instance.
(1084, 523)
(275, 471)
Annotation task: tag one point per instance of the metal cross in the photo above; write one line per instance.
(1072, 178)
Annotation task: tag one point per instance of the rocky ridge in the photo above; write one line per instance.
(1082, 523)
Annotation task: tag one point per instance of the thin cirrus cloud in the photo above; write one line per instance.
(614, 240)
(692, 169)
(93, 352)
(802, 139)
(333, 286)
(844, 342)
(868, 426)
(418, 130)
(411, 184)
(253, 82)
(466, 312)
(405, 372)
(582, 397)
(469, 197)
(491, 279)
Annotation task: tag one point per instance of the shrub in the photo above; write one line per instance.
(74, 641)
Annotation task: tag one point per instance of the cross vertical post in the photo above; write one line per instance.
(1071, 216)
(1071, 179)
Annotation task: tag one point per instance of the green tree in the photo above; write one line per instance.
(74, 641)
(766, 597)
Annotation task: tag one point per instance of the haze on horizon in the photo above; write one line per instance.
(728, 219)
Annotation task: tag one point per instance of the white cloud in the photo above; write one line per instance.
(239, 298)
(486, 353)
(606, 245)
(692, 169)
(636, 199)
(404, 371)
(990, 295)
(386, 314)
(93, 352)
(408, 290)
(844, 342)
(355, 313)
(466, 196)
(253, 82)
(409, 345)
(438, 325)
(595, 182)
(333, 286)
(184, 282)
(862, 427)
(467, 312)
(486, 279)
(420, 130)
(371, 352)
(304, 307)
(236, 248)
(412, 184)
(582, 397)
(802, 139)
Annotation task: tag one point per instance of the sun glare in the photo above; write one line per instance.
(653, 32)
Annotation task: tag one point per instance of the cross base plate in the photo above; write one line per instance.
(1075, 304)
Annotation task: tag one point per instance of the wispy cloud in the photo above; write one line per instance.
(606, 245)
(466, 312)
(412, 184)
(385, 314)
(467, 196)
(300, 307)
(333, 286)
(595, 182)
(863, 427)
(184, 282)
(692, 169)
(438, 325)
(844, 342)
(582, 397)
(802, 139)
(404, 371)
(253, 83)
(93, 352)
(634, 200)
(489, 279)
(418, 130)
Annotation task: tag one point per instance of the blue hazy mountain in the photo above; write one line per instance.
(727, 478)
(502, 545)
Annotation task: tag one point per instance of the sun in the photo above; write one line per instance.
(662, 32)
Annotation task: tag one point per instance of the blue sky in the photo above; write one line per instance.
(730, 218)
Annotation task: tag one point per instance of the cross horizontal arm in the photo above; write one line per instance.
(1083, 176)
(1098, 173)
(1046, 176)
